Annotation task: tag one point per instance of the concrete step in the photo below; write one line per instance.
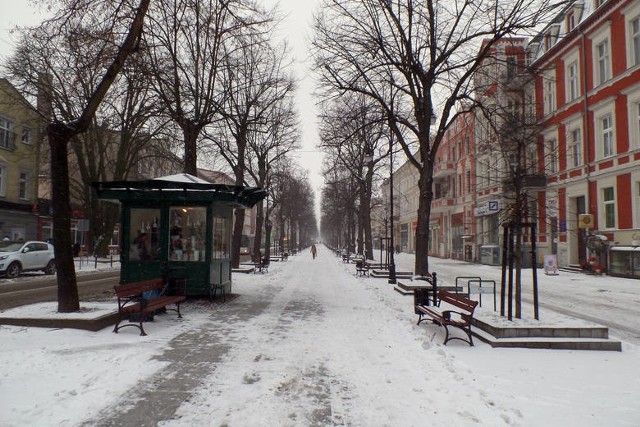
(547, 337)
(245, 269)
(600, 332)
(548, 343)
(385, 273)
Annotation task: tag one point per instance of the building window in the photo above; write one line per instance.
(532, 159)
(607, 136)
(469, 182)
(3, 180)
(602, 58)
(575, 148)
(552, 150)
(571, 21)
(26, 135)
(24, 186)
(635, 122)
(549, 96)
(7, 137)
(573, 89)
(511, 66)
(635, 41)
(608, 198)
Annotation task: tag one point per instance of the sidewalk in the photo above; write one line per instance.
(307, 344)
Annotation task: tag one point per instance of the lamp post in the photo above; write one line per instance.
(391, 246)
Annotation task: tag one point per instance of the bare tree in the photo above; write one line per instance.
(293, 206)
(115, 28)
(354, 130)
(258, 79)
(511, 157)
(187, 43)
(416, 59)
(268, 146)
(338, 204)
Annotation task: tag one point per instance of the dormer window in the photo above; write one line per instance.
(571, 21)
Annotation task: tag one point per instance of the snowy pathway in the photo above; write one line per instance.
(324, 349)
(309, 344)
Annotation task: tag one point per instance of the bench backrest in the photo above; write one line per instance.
(137, 288)
(458, 300)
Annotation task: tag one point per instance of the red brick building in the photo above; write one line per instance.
(588, 99)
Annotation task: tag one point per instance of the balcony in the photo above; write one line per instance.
(529, 182)
(442, 204)
(443, 169)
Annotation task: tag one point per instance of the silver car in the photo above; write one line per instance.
(16, 257)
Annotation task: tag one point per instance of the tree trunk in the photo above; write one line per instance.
(59, 136)
(425, 185)
(267, 238)
(259, 223)
(190, 133)
(238, 226)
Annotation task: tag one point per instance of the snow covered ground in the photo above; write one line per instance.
(309, 344)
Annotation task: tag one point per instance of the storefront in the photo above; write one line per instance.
(178, 225)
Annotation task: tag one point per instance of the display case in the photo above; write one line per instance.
(624, 261)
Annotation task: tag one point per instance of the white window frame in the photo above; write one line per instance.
(601, 65)
(4, 170)
(531, 165)
(572, 76)
(27, 135)
(7, 136)
(549, 92)
(607, 135)
(551, 148)
(574, 136)
(635, 198)
(631, 15)
(24, 185)
(633, 115)
(604, 110)
(608, 204)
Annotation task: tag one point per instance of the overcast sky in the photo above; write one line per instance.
(296, 28)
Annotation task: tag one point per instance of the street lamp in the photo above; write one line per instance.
(391, 246)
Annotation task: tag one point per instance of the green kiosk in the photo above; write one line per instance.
(178, 225)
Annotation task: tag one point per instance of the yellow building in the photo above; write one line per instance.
(20, 130)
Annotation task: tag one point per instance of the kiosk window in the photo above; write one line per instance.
(186, 233)
(143, 235)
(221, 238)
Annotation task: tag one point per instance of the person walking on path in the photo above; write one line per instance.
(314, 251)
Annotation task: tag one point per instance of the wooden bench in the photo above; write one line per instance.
(137, 302)
(458, 312)
(261, 266)
(362, 269)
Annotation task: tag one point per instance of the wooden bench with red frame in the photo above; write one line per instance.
(139, 301)
(457, 311)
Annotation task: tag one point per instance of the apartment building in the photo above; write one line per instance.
(452, 225)
(588, 92)
(576, 87)
(20, 130)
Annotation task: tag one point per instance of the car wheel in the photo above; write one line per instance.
(50, 268)
(13, 270)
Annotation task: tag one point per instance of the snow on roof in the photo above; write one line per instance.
(182, 177)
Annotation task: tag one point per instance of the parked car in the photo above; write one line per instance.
(16, 257)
